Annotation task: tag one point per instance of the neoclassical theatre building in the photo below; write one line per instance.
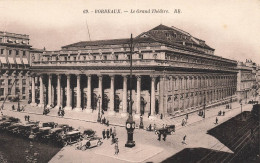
(173, 73)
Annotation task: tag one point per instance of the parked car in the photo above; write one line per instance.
(71, 138)
(25, 130)
(49, 124)
(65, 127)
(88, 143)
(88, 133)
(169, 129)
(42, 134)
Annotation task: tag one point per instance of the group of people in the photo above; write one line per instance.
(221, 113)
(104, 121)
(201, 113)
(18, 108)
(111, 133)
(61, 112)
(27, 118)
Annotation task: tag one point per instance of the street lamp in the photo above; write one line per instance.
(231, 102)
(204, 106)
(99, 118)
(130, 123)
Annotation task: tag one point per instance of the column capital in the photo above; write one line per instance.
(153, 76)
(138, 77)
(88, 75)
(112, 75)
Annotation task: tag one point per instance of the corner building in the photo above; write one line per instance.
(14, 66)
(173, 73)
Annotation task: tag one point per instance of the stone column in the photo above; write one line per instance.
(124, 112)
(138, 96)
(41, 92)
(100, 90)
(152, 96)
(33, 91)
(49, 90)
(68, 104)
(112, 95)
(58, 92)
(78, 106)
(88, 110)
(162, 93)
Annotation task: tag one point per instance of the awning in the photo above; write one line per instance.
(3, 60)
(11, 60)
(18, 61)
(25, 61)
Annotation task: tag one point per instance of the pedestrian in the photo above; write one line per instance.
(159, 136)
(150, 127)
(116, 148)
(223, 113)
(13, 107)
(108, 134)
(104, 134)
(149, 115)
(110, 131)
(183, 140)
(154, 126)
(102, 112)
(164, 136)
(187, 116)
(216, 120)
(104, 122)
(28, 118)
(25, 117)
(114, 131)
(107, 123)
(183, 122)
(161, 116)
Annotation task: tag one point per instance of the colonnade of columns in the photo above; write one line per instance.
(175, 93)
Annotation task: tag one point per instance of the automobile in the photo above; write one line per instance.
(253, 102)
(71, 138)
(169, 129)
(65, 127)
(88, 143)
(25, 130)
(49, 124)
(4, 124)
(42, 134)
(13, 127)
(88, 133)
(55, 135)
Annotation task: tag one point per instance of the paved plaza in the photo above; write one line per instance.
(148, 148)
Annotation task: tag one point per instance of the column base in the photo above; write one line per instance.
(152, 117)
(41, 105)
(56, 107)
(124, 114)
(68, 108)
(33, 104)
(111, 112)
(77, 109)
(88, 110)
(137, 116)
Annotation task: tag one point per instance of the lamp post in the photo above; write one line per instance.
(231, 102)
(99, 119)
(204, 115)
(130, 123)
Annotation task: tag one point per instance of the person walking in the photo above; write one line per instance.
(216, 120)
(104, 134)
(25, 117)
(223, 113)
(110, 131)
(108, 134)
(114, 131)
(159, 136)
(116, 148)
(183, 140)
(164, 136)
(161, 116)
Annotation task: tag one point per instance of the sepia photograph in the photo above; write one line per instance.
(128, 81)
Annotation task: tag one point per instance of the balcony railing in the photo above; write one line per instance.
(136, 62)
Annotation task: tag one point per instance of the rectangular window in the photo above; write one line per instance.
(9, 91)
(128, 57)
(116, 57)
(17, 90)
(2, 51)
(10, 52)
(1, 39)
(2, 82)
(1, 91)
(105, 57)
(9, 81)
(24, 81)
(23, 90)
(17, 81)
(17, 52)
(24, 53)
(141, 56)
(94, 57)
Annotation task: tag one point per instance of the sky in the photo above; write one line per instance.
(231, 27)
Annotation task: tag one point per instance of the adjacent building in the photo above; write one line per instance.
(14, 66)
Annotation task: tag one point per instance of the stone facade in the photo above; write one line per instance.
(173, 73)
(14, 66)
